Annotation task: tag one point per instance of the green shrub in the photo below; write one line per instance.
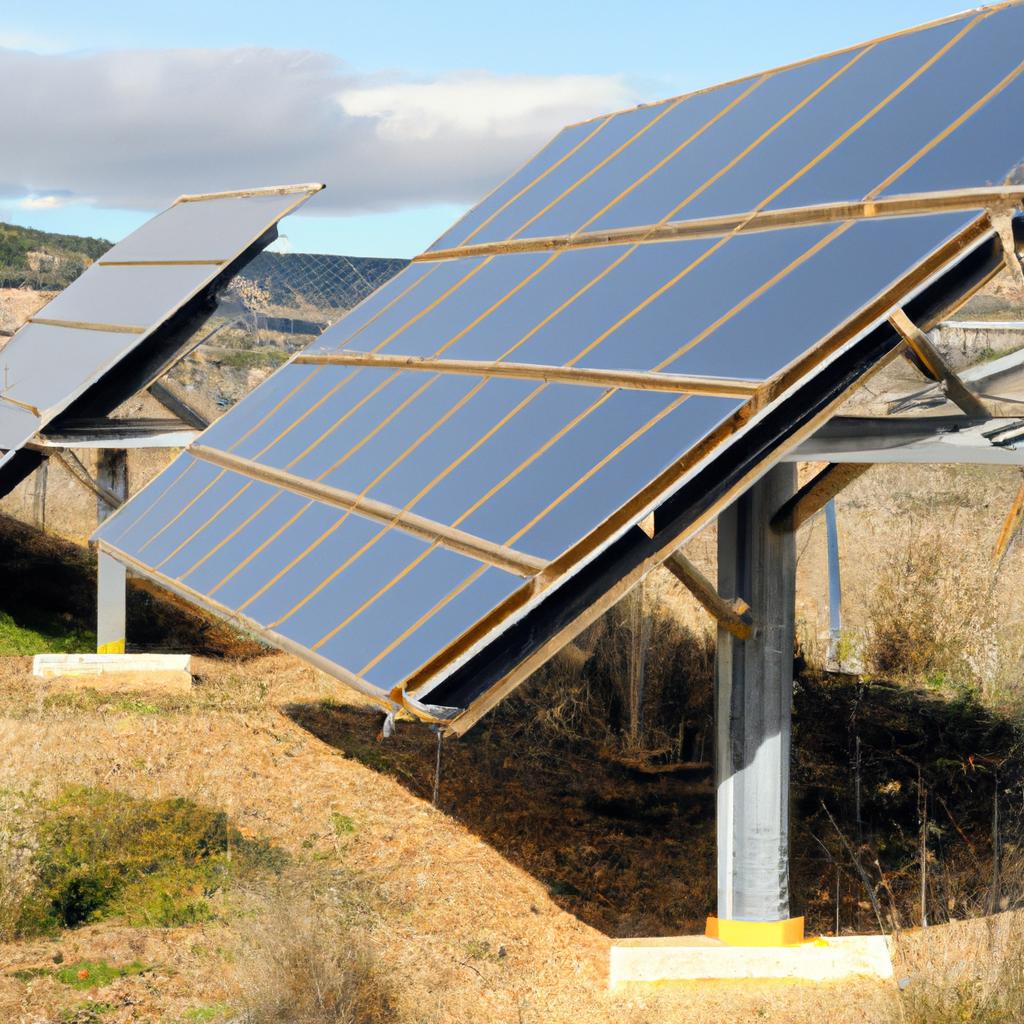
(101, 853)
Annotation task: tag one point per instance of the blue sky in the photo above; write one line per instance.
(437, 100)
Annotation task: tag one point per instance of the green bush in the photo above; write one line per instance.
(101, 853)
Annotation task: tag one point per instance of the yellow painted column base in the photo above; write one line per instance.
(114, 647)
(756, 933)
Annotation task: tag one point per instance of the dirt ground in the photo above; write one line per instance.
(445, 890)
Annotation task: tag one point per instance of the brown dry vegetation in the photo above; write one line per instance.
(552, 834)
(572, 814)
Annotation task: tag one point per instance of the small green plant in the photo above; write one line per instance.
(205, 1014)
(343, 825)
(85, 974)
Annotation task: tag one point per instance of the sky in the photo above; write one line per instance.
(410, 112)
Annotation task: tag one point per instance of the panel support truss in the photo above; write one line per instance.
(817, 493)
(733, 616)
(636, 380)
(506, 558)
(753, 698)
(937, 368)
(999, 200)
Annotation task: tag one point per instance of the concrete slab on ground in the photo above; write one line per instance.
(118, 673)
(696, 958)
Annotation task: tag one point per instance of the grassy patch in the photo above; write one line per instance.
(57, 635)
(253, 358)
(342, 824)
(103, 854)
(205, 1014)
(87, 974)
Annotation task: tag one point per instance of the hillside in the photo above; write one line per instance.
(549, 838)
(42, 260)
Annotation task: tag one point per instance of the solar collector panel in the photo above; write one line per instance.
(551, 470)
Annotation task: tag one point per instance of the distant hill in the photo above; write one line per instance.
(30, 258)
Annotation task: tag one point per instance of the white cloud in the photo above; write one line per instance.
(50, 202)
(133, 129)
(479, 106)
(30, 41)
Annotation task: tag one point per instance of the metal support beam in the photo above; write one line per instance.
(937, 368)
(733, 616)
(817, 493)
(111, 590)
(39, 495)
(753, 698)
(81, 475)
(835, 583)
(174, 403)
(633, 380)
(112, 477)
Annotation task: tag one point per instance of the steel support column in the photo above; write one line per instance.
(753, 699)
(111, 584)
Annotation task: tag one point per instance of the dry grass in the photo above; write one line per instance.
(930, 618)
(17, 847)
(301, 962)
(970, 972)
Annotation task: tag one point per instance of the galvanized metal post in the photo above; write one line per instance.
(835, 584)
(753, 700)
(39, 495)
(111, 584)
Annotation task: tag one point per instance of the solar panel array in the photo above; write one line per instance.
(388, 522)
(117, 304)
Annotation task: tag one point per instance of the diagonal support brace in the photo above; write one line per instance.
(937, 368)
(817, 493)
(733, 616)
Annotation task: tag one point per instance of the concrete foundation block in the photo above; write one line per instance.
(696, 958)
(118, 673)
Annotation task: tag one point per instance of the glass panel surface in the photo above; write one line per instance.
(797, 312)
(520, 217)
(126, 296)
(810, 131)
(912, 120)
(367, 568)
(17, 425)
(141, 504)
(346, 332)
(47, 366)
(238, 505)
(462, 606)
(559, 148)
(213, 229)
(707, 154)
(438, 285)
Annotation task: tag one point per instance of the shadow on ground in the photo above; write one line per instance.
(48, 595)
(634, 854)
